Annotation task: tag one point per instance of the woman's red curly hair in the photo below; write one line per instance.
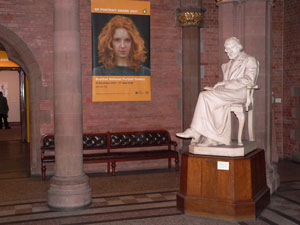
(105, 50)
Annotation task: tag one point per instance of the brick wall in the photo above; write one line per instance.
(210, 45)
(291, 74)
(163, 110)
(32, 21)
(277, 74)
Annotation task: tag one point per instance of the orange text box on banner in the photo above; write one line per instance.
(120, 88)
(120, 7)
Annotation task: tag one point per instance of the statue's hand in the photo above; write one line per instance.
(220, 88)
(222, 83)
(208, 88)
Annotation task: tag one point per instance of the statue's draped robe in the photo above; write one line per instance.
(212, 116)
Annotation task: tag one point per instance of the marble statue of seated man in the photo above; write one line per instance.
(211, 123)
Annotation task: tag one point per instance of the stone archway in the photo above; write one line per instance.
(19, 52)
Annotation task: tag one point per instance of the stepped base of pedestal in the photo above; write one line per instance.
(223, 210)
(231, 188)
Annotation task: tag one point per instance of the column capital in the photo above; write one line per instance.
(190, 17)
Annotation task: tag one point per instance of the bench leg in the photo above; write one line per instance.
(169, 163)
(43, 169)
(108, 167)
(113, 166)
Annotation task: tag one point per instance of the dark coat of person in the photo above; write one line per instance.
(3, 105)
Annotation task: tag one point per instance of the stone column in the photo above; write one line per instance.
(250, 21)
(69, 188)
(273, 178)
(190, 18)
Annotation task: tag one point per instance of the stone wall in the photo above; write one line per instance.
(277, 74)
(32, 21)
(210, 67)
(163, 111)
(285, 75)
(291, 75)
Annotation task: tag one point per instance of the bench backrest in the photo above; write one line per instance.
(139, 139)
(116, 140)
(89, 141)
(95, 141)
(47, 142)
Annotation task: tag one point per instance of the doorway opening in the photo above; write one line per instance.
(14, 86)
(14, 160)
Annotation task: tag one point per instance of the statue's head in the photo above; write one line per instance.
(233, 47)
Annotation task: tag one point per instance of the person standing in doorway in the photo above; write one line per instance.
(3, 111)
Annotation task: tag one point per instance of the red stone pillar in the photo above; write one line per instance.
(190, 17)
(69, 188)
(250, 21)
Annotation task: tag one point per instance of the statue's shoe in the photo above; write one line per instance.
(188, 133)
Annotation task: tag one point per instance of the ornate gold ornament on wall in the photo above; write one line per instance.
(190, 17)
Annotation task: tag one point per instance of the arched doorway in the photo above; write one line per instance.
(14, 86)
(19, 52)
(14, 154)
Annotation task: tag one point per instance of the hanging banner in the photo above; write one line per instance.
(121, 50)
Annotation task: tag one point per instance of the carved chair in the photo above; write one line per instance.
(240, 111)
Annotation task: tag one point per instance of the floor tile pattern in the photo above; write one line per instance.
(134, 198)
(103, 209)
(149, 208)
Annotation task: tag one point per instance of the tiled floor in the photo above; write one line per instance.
(147, 197)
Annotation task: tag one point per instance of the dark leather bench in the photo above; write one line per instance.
(117, 147)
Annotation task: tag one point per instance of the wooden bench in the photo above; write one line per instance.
(116, 147)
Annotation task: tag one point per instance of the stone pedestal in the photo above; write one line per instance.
(232, 188)
(233, 150)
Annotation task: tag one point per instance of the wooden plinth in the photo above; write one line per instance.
(209, 188)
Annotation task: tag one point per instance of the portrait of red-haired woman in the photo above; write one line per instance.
(121, 49)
